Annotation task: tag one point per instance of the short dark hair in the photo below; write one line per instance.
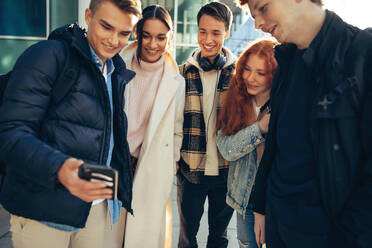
(129, 6)
(151, 12)
(244, 3)
(218, 10)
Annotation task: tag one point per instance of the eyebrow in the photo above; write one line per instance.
(105, 23)
(148, 33)
(126, 32)
(214, 30)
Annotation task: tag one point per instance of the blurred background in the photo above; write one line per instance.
(25, 22)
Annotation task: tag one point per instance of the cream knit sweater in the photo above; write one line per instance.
(142, 91)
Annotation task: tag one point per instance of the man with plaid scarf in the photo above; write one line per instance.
(202, 170)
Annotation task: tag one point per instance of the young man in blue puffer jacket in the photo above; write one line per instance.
(43, 143)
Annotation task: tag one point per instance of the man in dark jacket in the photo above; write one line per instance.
(43, 143)
(314, 183)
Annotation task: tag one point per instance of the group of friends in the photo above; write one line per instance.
(282, 134)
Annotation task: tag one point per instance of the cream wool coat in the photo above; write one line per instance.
(156, 165)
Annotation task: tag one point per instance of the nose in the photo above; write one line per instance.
(258, 22)
(250, 77)
(208, 38)
(153, 44)
(114, 40)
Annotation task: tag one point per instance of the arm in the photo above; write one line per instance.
(238, 145)
(25, 105)
(357, 214)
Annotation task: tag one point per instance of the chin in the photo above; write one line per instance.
(152, 58)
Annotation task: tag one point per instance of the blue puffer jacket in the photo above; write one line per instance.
(240, 150)
(37, 136)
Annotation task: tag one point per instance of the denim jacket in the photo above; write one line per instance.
(240, 150)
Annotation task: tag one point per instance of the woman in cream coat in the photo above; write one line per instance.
(154, 106)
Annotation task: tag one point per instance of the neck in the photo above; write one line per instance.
(313, 21)
(262, 98)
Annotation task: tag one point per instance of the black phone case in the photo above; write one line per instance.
(101, 173)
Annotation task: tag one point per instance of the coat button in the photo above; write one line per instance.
(336, 147)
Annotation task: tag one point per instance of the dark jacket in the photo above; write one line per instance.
(341, 125)
(37, 136)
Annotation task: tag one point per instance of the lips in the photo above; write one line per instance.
(208, 48)
(272, 30)
(109, 48)
(249, 86)
(151, 52)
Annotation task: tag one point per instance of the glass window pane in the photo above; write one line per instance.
(182, 53)
(23, 18)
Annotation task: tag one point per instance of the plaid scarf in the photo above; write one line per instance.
(194, 143)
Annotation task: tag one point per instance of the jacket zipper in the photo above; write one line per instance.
(102, 153)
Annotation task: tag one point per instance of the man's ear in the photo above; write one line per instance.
(88, 15)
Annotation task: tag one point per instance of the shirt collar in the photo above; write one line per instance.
(98, 62)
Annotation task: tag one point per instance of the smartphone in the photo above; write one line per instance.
(100, 173)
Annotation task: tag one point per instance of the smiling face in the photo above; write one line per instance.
(155, 40)
(277, 17)
(109, 29)
(256, 77)
(211, 35)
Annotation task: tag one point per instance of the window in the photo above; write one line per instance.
(24, 19)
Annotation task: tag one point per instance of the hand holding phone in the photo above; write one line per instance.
(100, 173)
(85, 190)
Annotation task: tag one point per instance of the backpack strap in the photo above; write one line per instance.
(67, 77)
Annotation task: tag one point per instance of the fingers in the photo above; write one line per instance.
(257, 235)
(90, 191)
(257, 232)
(85, 190)
(259, 228)
(263, 238)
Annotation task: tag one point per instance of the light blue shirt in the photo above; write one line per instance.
(114, 205)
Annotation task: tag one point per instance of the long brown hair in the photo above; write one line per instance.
(237, 110)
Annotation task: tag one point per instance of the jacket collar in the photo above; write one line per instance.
(76, 37)
(325, 43)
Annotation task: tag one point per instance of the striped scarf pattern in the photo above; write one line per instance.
(194, 143)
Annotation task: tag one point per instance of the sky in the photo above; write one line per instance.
(355, 12)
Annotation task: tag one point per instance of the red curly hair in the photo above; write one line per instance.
(237, 111)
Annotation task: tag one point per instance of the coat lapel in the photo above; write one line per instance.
(167, 89)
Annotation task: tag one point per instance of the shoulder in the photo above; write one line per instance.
(172, 69)
(363, 41)
(43, 50)
(45, 56)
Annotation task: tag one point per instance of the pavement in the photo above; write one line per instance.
(203, 230)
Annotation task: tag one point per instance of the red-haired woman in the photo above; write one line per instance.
(241, 124)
